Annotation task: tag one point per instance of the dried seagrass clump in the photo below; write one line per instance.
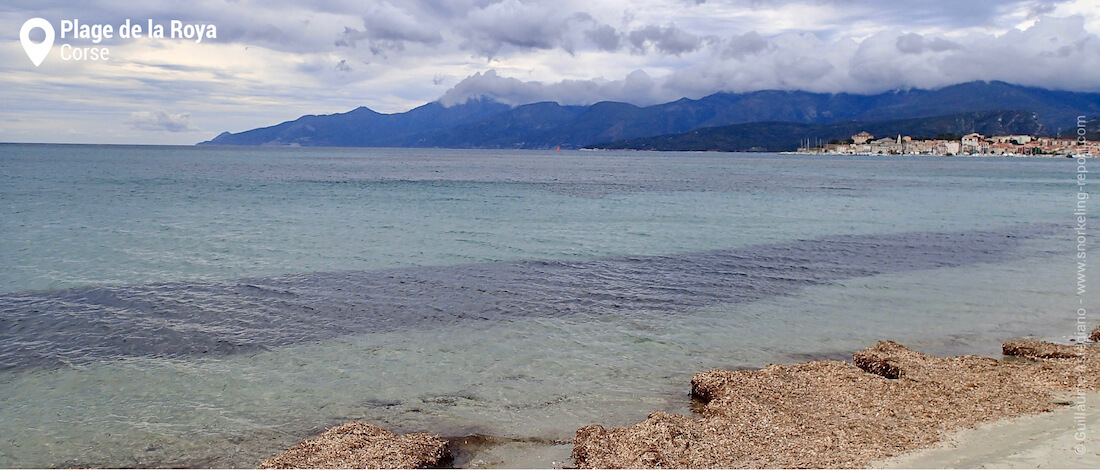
(837, 414)
(361, 445)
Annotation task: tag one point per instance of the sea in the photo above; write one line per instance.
(210, 307)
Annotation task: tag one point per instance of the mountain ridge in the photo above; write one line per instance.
(484, 123)
(778, 136)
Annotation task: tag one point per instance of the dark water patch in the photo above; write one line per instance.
(209, 319)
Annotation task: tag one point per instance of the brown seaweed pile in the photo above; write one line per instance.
(361, 445)
(887, 401)
(837, 414)
(1040, 349)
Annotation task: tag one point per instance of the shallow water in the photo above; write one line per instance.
(210, 307)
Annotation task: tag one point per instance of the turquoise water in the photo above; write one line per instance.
(168, 306)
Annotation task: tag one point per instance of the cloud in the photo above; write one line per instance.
(1039, 9)
(666, 39)
(278, 60)
(914, 43)
(162, 121)
(738, 47)
(388, 28)
(522, 26)
(1053, 53)
(605, 37)
(513, 91)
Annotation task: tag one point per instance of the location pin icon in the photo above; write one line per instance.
(37, 52)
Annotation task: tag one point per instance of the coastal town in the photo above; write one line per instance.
(968, 145)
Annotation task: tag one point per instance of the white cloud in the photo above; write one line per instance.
(162, 121)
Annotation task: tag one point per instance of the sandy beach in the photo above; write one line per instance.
(1045, 440)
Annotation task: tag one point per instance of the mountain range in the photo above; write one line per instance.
(776, 136)
(483, 123)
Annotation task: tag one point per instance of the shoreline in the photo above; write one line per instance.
(1029, 441)
(889, 407)
(937, 155)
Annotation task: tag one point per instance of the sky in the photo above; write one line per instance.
(275, 60)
